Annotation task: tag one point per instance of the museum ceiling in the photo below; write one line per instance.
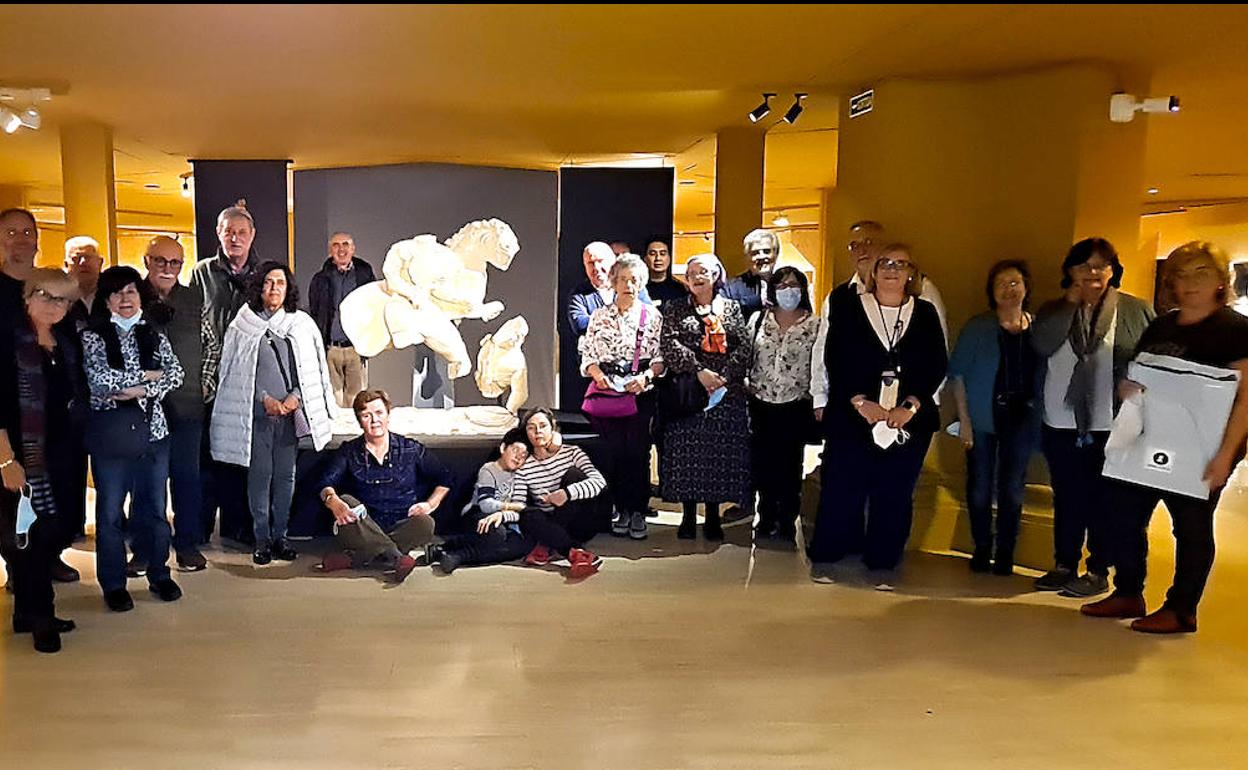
(540, 86)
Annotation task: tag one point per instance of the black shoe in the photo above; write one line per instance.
(434, 554)
(23, 626)
(980, 561)
(47, 640)
(119, 600)
(450, 562)
(1055, 579)
(1003, 567)
(136, 567)
(191, 560)
(1090, 584)
(262, 555)
(712, 530)
(63, 573)
(688, 529)
(282, 551)
(166, 590)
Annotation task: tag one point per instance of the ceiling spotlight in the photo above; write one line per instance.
(10, 121)
(1153, 191)
(762, 110)
(1122, 107)
(796, 109)
(31, 118)
(186, 185)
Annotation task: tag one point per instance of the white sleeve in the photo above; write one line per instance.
(818, 370)
(932, 295)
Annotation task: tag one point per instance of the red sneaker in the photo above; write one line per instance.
(334, 562)
(538, 557)
(403, 567)
(583, 564)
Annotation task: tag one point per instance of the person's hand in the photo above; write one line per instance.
(818, 414)
(557, 498)
(420, 509)
(342, 514)
(711, 380)
(1129, 388)
(1074, 293)
(636, 384)
(601, 381)
(966, 433)
(872, 412)
(131, 393)
(898, 416)
(272, 407)
(14, 476)
(1219, 470)
(489, 522)
(290, 403)
(151, 375)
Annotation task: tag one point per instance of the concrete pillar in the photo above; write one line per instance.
(89, 190)
(738, 191)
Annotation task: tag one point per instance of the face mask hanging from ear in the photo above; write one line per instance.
(126, 324)
(25, 518)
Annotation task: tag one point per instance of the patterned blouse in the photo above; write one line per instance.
(781, 370)
(105, 380)
(611, 339)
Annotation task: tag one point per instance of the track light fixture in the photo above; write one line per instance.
(762, 110)
(31, 118)
(186, 184)
(796, 109)
(10, 121)
(10, 98)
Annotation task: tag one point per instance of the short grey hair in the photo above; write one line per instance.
(709, 262)
(80, 240)
(234, 212)
(627, 261)
(760, 234)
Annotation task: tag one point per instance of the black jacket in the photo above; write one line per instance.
(321, 293)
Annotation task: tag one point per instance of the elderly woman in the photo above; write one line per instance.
(661, 286)
(130, 368)
(557, 484)
(706, 453)
(993, 371)
(620, 352)
(1202, 329)
(43, 402)
(888, 358)
(1087, 338)
(274, 390)
(781, 413)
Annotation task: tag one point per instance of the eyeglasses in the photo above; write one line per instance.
(13, 232)
(855, 245)
(163, 263)
(1012, 283)
(893, 264)
(52, 298)
(1093, 267)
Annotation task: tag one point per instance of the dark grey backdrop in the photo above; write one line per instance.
(384, 204)
(220, 183)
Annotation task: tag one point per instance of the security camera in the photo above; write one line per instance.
(1122, 107)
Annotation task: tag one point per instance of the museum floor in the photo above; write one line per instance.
(675, 656)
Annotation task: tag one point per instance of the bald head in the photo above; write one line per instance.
(598, 258)
(164, 259)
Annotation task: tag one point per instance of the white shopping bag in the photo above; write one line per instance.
(1185, 407)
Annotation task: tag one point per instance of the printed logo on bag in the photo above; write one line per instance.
(1160, 460)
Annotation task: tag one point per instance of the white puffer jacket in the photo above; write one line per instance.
(233, 411)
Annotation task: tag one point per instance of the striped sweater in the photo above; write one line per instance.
(493, 488)
(538, 478)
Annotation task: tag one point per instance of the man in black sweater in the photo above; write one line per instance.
(341, 274)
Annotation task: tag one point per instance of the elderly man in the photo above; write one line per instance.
(596, 292)
(222, 280)
(179, 315)
(83, 262)
(341, 274)
(382, 489)
(762, 249)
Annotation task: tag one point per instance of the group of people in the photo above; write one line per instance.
(210, 390)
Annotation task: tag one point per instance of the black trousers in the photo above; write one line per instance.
(627, 466)
(222, 486)
(566, 527)
(30, 568)
(1079, 499)
(1132, 508)
(500, 544)
(860, 478)
(778, 442)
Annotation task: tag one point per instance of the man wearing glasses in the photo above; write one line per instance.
(179, 313)
(83, 262)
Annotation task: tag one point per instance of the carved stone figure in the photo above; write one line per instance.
(428, 288)
(501, 364)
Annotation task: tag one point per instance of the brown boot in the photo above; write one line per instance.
(1165, 621)
(1116, 606)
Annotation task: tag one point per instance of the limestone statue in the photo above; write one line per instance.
(501, 364)
(428, 287)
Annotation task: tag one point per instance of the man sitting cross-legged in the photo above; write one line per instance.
(390, 485)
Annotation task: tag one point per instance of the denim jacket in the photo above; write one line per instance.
(407, 476)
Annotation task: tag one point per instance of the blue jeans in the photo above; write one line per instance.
(143, 479)
(184, 486)
(271, 476)
(1002, 457)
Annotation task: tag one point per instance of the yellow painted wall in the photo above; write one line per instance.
(1225, 225)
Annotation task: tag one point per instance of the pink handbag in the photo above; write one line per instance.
(608, 403)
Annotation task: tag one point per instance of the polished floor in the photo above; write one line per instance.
(676, 655)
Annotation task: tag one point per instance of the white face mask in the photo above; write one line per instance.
(25, 518)
(126, 324)
(789, 297)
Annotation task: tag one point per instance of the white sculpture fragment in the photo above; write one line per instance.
(501, 364)
(428, 287)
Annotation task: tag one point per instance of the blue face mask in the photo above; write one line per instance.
(25, 518)
(715, 397)
(789, 297)
(126, 324)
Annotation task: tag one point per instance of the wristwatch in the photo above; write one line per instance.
(910, 406)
